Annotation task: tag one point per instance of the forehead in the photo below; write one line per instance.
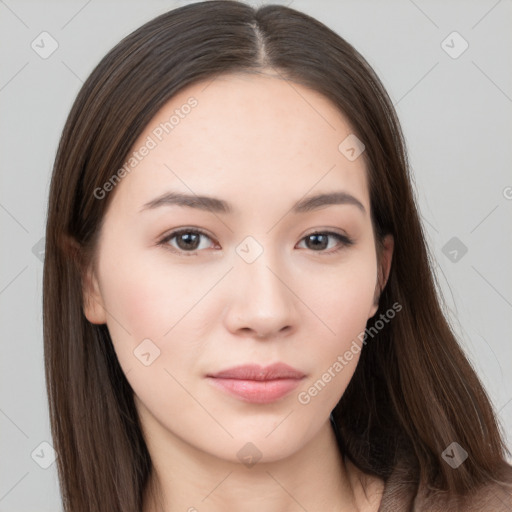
(254, 139)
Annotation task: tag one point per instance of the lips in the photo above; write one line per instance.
(256, 384)
(255, 372)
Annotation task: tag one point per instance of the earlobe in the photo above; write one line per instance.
(386, 258)
(384, 268)
(374, 309)
(94, 310)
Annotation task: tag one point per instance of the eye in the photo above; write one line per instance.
(187, 241)
(319, 241)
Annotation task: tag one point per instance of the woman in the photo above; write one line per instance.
(239, 308)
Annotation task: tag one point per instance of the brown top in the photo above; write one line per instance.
(400, 494)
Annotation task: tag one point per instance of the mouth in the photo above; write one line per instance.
(255, 384)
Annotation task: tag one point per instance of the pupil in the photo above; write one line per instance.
(316, 240)
(190, 243)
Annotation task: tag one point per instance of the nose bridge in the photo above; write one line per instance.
(258, 266)
(264, 303)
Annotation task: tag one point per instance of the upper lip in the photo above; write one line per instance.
(256, 372)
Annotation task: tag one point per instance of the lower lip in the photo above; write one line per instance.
(255, 391)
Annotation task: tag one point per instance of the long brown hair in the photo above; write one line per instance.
(413, 392)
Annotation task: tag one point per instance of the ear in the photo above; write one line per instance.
(384, 256)
(94, 309)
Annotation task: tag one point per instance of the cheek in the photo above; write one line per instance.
(143, 307)
(133, 300)
(167, 305)
(344, 295)
(141, 304)
(140, 292)
(343, 305)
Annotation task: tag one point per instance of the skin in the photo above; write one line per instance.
(262, 145)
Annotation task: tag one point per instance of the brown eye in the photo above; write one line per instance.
(186, 241)
(319, 241)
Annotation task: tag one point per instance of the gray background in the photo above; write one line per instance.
(456, 116)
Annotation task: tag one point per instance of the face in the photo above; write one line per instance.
(189, 292)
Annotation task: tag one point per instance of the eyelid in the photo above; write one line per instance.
(328, 231)
(169, 236)
(344, 240)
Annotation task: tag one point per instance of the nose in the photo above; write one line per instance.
(262, 304)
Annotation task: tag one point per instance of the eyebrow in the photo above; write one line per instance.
(216, 205)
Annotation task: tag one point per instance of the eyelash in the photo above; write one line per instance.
(345, 241)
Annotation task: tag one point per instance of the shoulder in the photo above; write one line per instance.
(495, 496)
(401, 493)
